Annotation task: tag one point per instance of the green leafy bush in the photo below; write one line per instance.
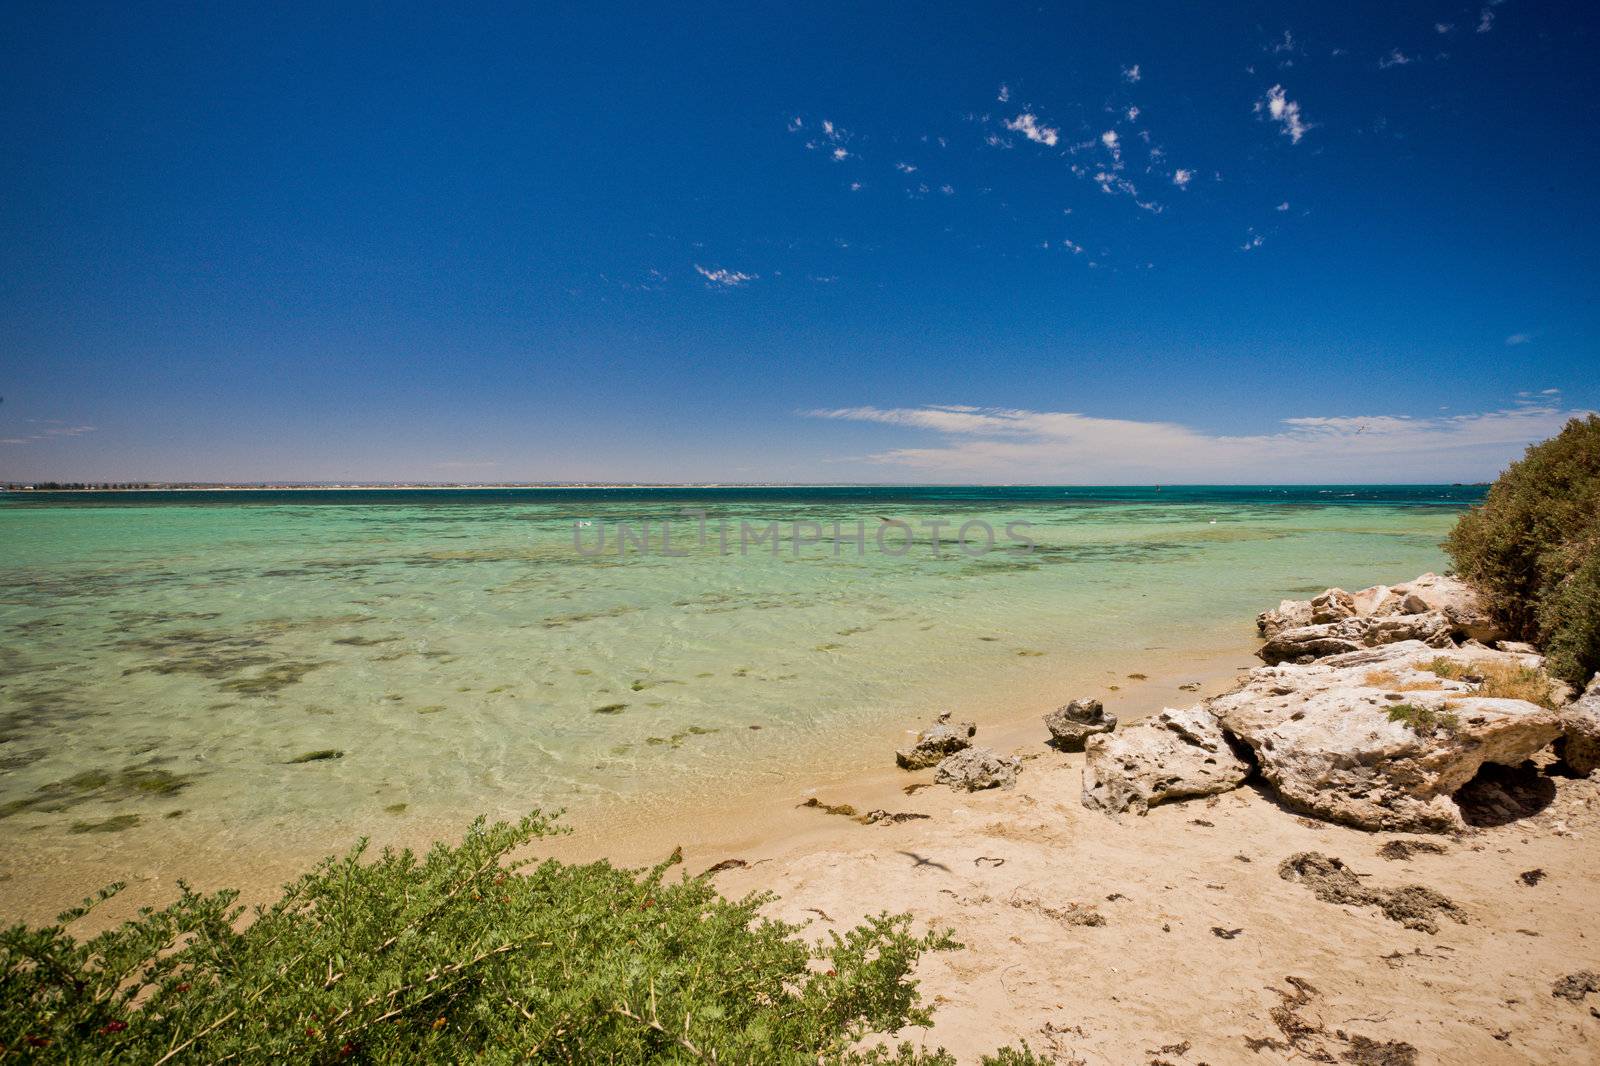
(463, 954)
(1533, 549)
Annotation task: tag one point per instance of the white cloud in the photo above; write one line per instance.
(1283, 206)
(1395, 58)
(1518, 338)
(1029, 126)
(1114, 146)
(1112, 184)
(729, 278)
(796, 124)
(1132, 113)
(1285, 112)
(1005, 93)
(948, 190)
(1181, 178)
(1486, 20)
(1052, 447)
(1284, 45)
(840, 155)
(905, 168)
(855, 186)
(1443, 28)
(1131, 74)
(50, 428)
(1253, 243)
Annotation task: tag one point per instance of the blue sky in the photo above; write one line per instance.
(1053, 243)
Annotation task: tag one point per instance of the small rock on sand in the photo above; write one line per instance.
(941, 739)
(1073, 723)
(977, 768)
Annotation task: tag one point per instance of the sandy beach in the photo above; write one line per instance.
(1165, 938)
(1116, 941)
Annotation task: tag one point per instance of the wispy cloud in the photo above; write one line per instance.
(831, 138)
(1068, 447)
(1279, 108)
(1395, 58)
(1029, 126)
(1518, 338)
(1131, 74)
(725, 278)
(48, 429)
(1004, 94)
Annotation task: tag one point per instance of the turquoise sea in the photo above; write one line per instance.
(166, 657)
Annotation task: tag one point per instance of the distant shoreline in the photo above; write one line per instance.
(21, 489)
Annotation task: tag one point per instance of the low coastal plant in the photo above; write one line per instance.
(464, 953)
(1421, 718)
(1533, 549)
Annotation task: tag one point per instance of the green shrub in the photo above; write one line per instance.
(1533, 549)
(463, 954)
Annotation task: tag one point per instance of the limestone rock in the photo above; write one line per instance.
(1171, 755)
(1355, 633)
(1074, 723)
(1290, 614)
(1580, 727)
(1430, 608)
(1325, 739)
(1456, 600)
(1332, 606)
(977, 768)
(942, 738)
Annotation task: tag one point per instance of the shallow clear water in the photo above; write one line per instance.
(163, 652)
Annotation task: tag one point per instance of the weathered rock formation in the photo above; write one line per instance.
(977, 768)
(1076, 722)
(1370, 738)
(1307, 643)
(1171, 755)
(942, 738)
(1433, 609)
(1580, 728)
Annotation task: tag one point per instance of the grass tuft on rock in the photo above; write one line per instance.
(1424, 719)
(1497, 679)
